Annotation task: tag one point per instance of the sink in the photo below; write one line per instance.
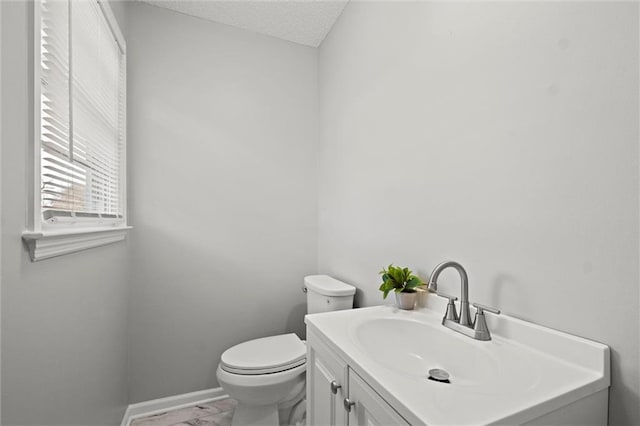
(524, 372)
(412, 348)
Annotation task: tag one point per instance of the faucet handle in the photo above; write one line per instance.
(451, 313)
(482, 308)
(451, 298)
(480, 329)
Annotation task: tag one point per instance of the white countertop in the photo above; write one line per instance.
(524, 372)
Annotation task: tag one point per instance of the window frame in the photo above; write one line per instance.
(45, 240)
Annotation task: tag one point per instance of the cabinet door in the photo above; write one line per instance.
(368, 408)
(326, 382)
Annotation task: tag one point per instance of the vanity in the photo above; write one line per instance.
(385, 366)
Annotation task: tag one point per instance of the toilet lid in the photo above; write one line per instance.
(266, 355)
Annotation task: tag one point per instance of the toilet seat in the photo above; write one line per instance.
(266, 355)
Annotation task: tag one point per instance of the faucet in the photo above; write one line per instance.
(465, 315)
(462, 324)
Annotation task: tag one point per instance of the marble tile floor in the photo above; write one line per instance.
(214, 413)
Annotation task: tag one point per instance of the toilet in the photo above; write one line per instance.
(267, 376)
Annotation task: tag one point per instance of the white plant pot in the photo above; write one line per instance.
(406, 300)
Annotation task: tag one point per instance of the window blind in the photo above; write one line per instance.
(82, 112)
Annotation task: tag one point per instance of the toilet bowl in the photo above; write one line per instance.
(267, 376)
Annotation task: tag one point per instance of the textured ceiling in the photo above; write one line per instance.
(302, 21)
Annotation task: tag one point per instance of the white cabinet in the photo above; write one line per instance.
(326, 385)
(337, 396)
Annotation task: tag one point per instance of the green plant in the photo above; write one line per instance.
(399, 280)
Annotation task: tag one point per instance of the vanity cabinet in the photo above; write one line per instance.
(327, 383)
(338, 396)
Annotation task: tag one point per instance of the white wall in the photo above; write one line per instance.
(64, 356)
(502, 135)
(223, 148)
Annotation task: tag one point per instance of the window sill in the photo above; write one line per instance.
(46, 244)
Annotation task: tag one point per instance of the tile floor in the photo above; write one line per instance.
(215, 413)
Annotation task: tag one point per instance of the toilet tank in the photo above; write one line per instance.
(325, 294)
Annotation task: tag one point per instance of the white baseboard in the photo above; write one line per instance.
(157, 406)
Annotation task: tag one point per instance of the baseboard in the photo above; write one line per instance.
(157, 406)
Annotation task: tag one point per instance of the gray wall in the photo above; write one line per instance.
(503, 135)
(223, 148)
(64, 355)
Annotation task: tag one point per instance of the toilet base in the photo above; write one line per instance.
(255, 415)
(291, 413)
(294, 415)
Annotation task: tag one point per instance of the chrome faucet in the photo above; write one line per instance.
(465, 315)
(462, 324)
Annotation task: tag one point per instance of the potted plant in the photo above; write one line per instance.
(403, 283)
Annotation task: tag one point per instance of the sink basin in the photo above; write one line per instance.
(412, 348)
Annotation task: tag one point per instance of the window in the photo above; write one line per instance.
(79, 156)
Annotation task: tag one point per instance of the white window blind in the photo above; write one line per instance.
(82, 113)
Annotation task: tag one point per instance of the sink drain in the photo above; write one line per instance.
(439, 375)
